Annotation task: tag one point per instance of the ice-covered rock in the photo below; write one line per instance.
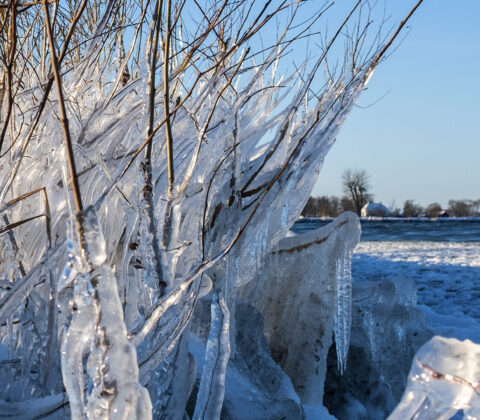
(444, 379)
(302, 288)
(387, 329)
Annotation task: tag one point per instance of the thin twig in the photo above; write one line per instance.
(376, 60)
(166, 100)
(47, 209)
(11, 226)
(11, 60)
(66, 130)
(147, 165)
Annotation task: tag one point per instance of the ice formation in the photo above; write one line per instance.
(343, 304)
(212, 385)
(297, 293)
(118, 321)
(388, 328)
(255, 386)
(92, 323)
(443, 380)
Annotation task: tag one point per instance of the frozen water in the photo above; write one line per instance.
(93, 237)
(296, 292)
(387, 330)
(93, 324)
(256, 388)
(212, 385)
(443, 380)
(343, 306)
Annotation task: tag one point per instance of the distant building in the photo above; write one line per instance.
(374, 210)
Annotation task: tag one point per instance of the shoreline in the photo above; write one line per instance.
(394, 219)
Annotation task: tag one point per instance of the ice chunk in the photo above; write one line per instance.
(443, 380)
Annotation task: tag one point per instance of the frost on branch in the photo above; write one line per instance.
(444, 378)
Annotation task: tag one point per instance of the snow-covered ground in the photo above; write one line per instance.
(447, 275)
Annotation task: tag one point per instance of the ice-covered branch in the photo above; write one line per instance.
(93, 324)
(212, 385)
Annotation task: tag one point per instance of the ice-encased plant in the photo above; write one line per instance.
(167, 137)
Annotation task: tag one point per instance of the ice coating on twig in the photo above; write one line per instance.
(212, 385)
(93, 237)
(95, 326)
(444, 378)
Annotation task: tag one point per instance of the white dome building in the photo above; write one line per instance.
(374, 210)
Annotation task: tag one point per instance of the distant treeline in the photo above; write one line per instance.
(333, 206)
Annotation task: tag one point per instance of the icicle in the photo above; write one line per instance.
(343, 308)
(212, 385)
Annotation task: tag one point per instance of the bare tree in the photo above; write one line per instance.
(356, 184)
(411, 209)
(433, 210)
(461, 208)
(322, 207)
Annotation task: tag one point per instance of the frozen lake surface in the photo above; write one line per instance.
(415, 230)
(443, 257)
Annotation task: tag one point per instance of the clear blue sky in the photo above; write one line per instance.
(421, 141)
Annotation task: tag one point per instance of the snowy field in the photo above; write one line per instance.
(447, 275)
(443, 257)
